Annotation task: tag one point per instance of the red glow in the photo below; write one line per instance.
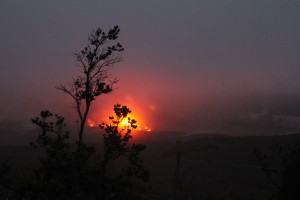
(91, 123)
(142, 124)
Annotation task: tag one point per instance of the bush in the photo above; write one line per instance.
(85, 173)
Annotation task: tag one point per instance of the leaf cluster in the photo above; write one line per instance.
(116, 143)
(49, 125)
(94, 62)
(86, 174)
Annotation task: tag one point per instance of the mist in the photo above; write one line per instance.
(204, 66)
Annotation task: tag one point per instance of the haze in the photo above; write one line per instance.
(193, 66)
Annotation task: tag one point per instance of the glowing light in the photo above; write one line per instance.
(125, 123)
(91, 123)
(140, 125)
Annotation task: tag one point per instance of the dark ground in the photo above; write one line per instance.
(211, 166)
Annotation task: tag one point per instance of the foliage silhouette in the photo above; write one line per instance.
(66, 173)
(62, 173)
(94, 62)
(116, 146)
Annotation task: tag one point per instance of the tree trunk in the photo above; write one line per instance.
(82, 125)
(80, 134)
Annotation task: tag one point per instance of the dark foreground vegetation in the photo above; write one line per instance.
(211, 167)
(113, 170)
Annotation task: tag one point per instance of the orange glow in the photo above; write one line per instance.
(125, 123)
(140, 125)
(91, 123)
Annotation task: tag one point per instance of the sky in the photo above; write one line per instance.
(183, 61)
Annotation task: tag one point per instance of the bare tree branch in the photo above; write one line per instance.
(95, 61)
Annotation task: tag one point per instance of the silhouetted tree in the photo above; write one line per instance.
(94, 62)
(63, 173)
(66, 173)
(116, 145)
(85, 172)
